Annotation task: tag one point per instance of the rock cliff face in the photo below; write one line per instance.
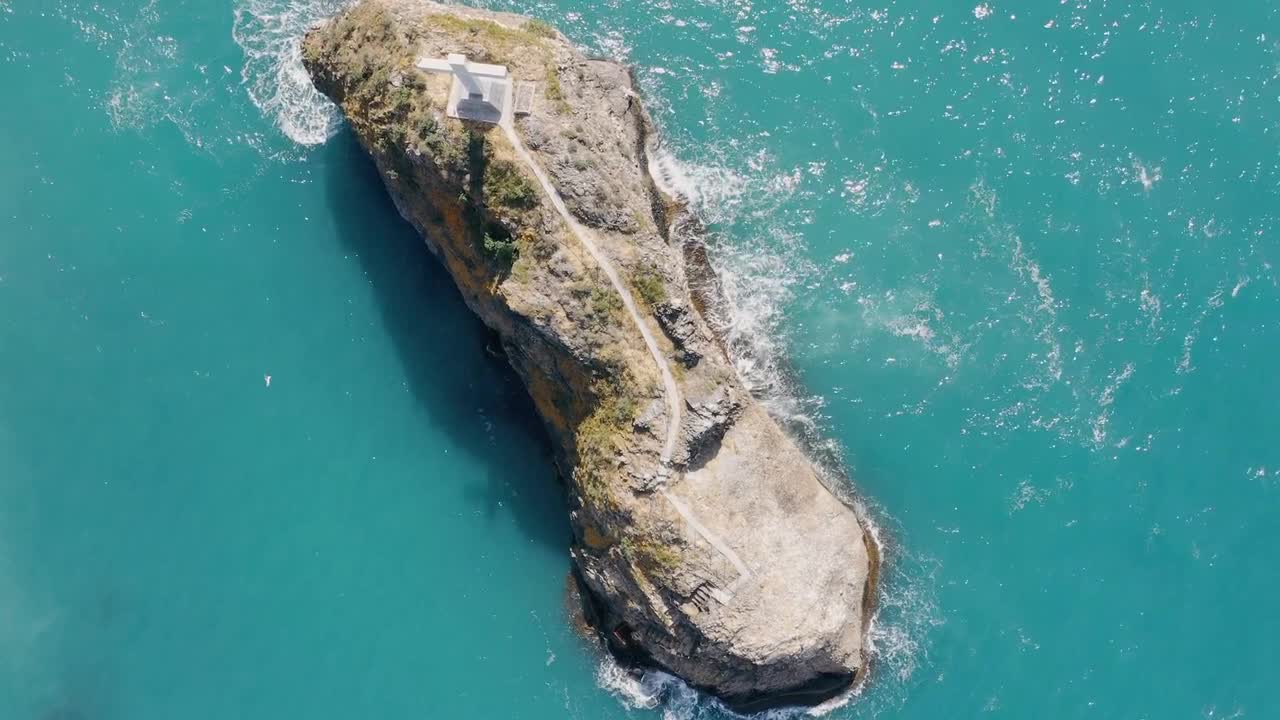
(703, 538)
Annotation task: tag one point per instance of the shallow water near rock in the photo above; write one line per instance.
(1010, 264)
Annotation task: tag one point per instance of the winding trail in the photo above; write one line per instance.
(671, 389)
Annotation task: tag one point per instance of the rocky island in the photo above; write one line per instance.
(704, 539)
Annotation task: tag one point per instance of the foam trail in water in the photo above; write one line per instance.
(713, 191)
(757, 278)
(270, 33)
(655, 689)
(758, 273)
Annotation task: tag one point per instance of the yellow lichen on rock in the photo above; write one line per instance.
(718, 555)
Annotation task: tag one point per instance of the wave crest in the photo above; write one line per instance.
(760, 268)
(270, 34)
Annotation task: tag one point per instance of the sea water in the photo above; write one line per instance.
(1007, 265)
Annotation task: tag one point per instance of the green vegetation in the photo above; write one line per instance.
(532, 248)
(541, 245)
(600, 308)
(363, 43)
(601, 437)
(540, 28)
(605, 303)
(434, 139)
(501, 252)
(373, 24)
(506, 45)
(506, 185)
(370, 86)
(522, 268)
(370, 66)
(555, 92)
(402, 98)
(650, 555)
(649, 287)
(507, 195)
(500, 42)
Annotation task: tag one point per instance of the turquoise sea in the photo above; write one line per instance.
(1009, 263)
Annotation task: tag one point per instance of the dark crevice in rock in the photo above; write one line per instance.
(673, 317)
(660, 571)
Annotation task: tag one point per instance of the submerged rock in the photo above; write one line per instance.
(703, 537)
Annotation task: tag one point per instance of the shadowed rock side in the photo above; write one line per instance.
(734, 568)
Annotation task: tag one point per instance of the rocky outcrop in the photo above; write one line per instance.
(723, 559)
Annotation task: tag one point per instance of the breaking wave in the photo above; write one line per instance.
(270, 34)
(760, 269)
(655, 690)
(758, 273)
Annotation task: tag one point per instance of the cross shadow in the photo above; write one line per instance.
(474, 398)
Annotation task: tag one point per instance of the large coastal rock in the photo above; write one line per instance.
(704, 539)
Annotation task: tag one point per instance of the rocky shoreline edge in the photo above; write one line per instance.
(705, 542)
(687, 231)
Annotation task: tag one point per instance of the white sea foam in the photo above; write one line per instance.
(716, 192)
(1102, 420)
(156, 81)
(760, 272)
(1212, 305)
(756, 277)
(1145, 176)
(138, 95)
(1027, 494)
(654, 689)
(649, 690)
(913, 314)
(270, 33)
(1150, 303)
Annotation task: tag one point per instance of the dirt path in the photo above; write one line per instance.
(584, 236)
(671, 389)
